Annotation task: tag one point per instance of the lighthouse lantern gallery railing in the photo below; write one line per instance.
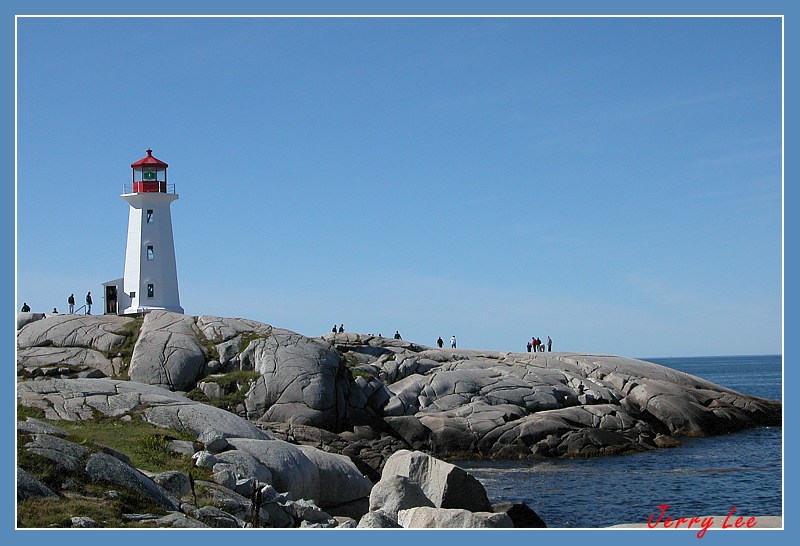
(148, 187)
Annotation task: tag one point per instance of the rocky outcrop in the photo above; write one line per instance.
(327, 417)
(79, 399)
(100, 333)
(394, 493)
(75, 460)
(556, 404)
(245, 457)
(451, 518)
(417, 490)
(522, 515)
(64, 361)
(377, 520)
(446, 485)
(29, 487)
(443, 401)
(168, 352)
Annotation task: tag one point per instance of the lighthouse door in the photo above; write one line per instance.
(111, 300)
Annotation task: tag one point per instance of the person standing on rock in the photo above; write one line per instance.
(26, 309)
(71, 302)
(440, 342)
(88, 303)
(334, 329)
(549, 344)
(397, 334)
(530, 346)
(341, 329)
(453, 342)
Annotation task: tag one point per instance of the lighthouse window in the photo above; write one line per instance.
(150, 253)
(150, 290)
(149, 216)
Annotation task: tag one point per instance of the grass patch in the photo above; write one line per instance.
(247, 338)
(146, 444)
(357, 372)
(349, 363)
(130, 331)
(40, 513)
(24, 412)
(44, 469)
(106, 512)
(236, 384)
(236, 379)
(209, 346)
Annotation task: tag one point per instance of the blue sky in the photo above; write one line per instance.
(614, 183)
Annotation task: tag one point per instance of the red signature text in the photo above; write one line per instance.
(701, 524)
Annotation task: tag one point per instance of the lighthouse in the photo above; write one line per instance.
(150, 280)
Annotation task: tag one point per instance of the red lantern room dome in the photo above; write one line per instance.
(149, 174)
(149, 161)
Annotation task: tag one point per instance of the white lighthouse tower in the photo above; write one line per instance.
(151, 275)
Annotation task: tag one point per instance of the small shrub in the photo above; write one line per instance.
(130, 331)
(154, 450)
(23, 412)
(358, 372)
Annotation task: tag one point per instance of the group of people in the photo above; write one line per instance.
(440, 342)
(70, 303)
(537, 346)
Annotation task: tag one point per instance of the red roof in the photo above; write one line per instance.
(149, 160)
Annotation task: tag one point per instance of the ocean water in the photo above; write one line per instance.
(704, 476)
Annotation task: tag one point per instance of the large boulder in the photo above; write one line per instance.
(29, 487)
(394, 493)
(101, 333)
(522, 515)
(308, 473)
(446, 485)
(377, 520)
(79, 399)
(67, 456)
(298, 380)
(76, 460)
(168, 352)
(242, 465)
(340, 481)
(36, 360)
(424, 517)
(101, 467)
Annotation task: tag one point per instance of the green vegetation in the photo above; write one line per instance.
(235, 384)
(145, 444)
(130, 331)
(358, 372)
(41, 513)
(235, 379)
(148, 448)
(23, 412)
(44, 469)
(249, 337)
(348, 364)
(209, 346)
